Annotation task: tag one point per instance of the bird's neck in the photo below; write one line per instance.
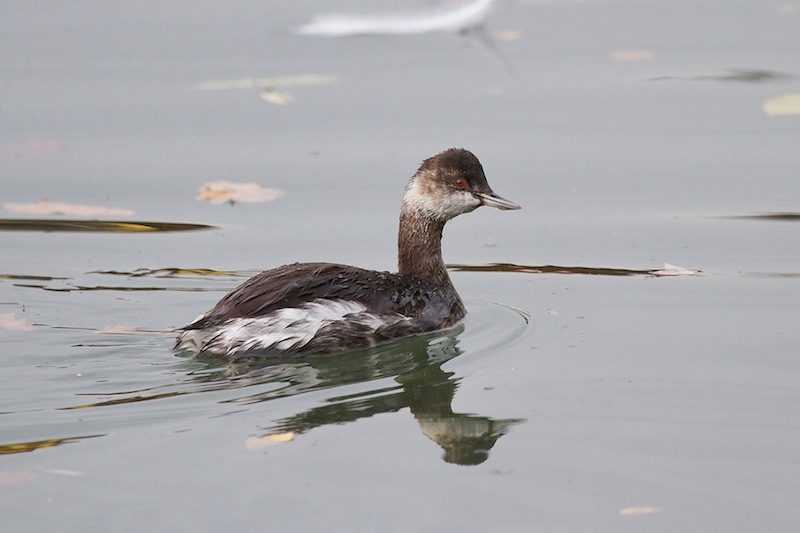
(419, 244)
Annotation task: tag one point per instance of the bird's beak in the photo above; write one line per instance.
(492, 200)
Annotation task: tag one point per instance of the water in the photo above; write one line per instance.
(574, 398)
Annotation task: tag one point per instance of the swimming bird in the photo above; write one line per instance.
(323, 308)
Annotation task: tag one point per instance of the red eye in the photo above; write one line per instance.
(460, 183)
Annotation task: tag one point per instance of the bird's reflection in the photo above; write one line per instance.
(422, 386)
(466, 439)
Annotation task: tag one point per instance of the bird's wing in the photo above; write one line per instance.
(296, 284)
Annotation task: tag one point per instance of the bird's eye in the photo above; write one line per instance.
(460, 183)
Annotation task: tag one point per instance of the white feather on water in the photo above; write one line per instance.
(464, 18)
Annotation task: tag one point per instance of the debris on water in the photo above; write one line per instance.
(264, 441)
(231, 192)
(300, 80)
(672, 270)
(735, 75)
(640, 510)
(270, 90)
(782, 104)
(24, 447)
(549, 269)
(111, 226)
(463, 18)
(466, 19)
(63, 472)
(48, 207)
(117, 330)
(30, 277)
(668, 270)
(173, 272)
(507, 35)
(786, 216)
(521, 312)
(276, 97)
(11, 322)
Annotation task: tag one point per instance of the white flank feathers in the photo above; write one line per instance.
(285, 329)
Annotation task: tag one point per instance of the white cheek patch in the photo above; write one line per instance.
(443, 207)
(285, 329)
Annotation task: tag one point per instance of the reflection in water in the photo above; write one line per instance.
(422, 387)
(466, 439)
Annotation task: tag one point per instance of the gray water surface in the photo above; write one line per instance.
(581, 393)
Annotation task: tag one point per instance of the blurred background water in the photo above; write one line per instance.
(592, 396)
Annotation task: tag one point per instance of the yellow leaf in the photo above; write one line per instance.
(257, 443)
(228, 191)
(782, 104)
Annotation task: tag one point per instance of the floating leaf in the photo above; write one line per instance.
(29, 277)
(276, 97)
(228, 191)
(168, 273)
(669, 270)
(779, 217)
(23, 447)
(264, 441)
(737, 76)
(10, 321)
(21, 224)
(782, 104)
(47, 207)
(548, 269)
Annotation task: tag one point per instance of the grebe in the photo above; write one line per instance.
(322, 308)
